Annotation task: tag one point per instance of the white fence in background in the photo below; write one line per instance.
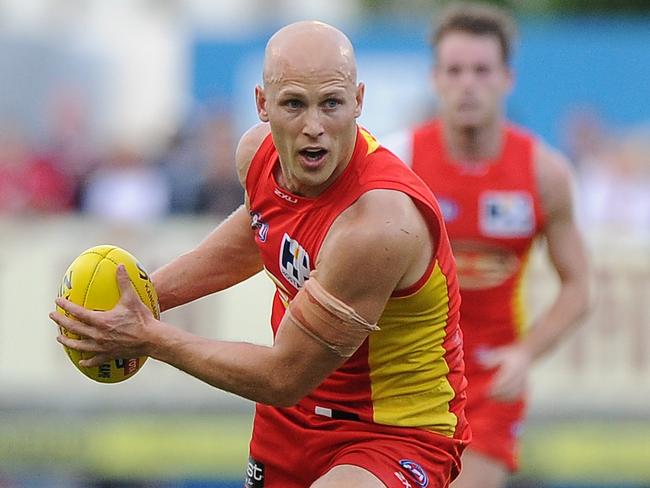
(602, 368)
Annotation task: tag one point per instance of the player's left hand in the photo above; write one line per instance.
(512, 363)
(112, 334)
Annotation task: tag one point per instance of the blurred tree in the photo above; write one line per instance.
(599, 6)
(415, 7)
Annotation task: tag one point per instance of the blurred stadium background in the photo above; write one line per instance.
(117, 125)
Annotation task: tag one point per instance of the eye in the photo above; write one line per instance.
(453, 70)
(293, 104)
(332, 103)
(482, 69)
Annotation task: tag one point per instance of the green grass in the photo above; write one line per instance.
(164, 446)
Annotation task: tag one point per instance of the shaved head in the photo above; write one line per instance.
(311, 100)
(308, 48)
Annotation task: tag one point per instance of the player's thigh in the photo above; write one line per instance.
(349, 476)
(481, 470)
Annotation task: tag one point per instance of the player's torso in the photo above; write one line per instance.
(289, 232)
(493, 214)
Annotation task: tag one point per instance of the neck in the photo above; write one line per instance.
(474, 145)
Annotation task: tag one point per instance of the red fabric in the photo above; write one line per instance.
(36, 185)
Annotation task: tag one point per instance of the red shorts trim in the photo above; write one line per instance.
(294, 448)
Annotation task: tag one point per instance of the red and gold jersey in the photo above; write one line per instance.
(410, 373)
(493, 214)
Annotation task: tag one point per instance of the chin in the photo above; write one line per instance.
(470, 121)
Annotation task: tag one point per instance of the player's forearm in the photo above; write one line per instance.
(562, 316)
(226, 257)
(247, 370)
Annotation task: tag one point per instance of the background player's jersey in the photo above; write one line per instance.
(410, 373)
(493, 214)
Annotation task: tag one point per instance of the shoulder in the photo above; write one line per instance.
(383, 224)
(248, 145)
(371, 248)
(554, 178)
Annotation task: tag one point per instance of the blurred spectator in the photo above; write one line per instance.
(29, 182)
(199, 166)
(126, 189)
(613, 172)
(183, 165)
(70, 138)
(222, 192)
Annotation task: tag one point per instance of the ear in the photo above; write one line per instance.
(260, 103)
(361, 90)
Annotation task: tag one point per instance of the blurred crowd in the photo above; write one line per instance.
(613, 173)
(190, 172)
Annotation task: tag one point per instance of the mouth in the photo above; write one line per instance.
(467, 105)
(312, 157)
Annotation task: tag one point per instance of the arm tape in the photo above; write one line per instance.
(328, 320)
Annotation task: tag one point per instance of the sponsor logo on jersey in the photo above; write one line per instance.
(258, 225)
(254, 474)
(416, 472)
(449, 208)
(506, 214)
(483, 265)
(294, 261)
(285, 196)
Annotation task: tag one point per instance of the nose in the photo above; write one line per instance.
(313, 126)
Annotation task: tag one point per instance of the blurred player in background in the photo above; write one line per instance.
(499, 189)
(364, 385)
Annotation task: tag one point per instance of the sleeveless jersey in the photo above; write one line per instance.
(493, 214)
(410, 372)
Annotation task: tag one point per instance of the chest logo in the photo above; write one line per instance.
(506, 214)
(294, 262)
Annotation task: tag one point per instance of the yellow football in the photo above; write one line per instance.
(90, 281)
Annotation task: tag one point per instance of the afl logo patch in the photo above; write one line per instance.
(506, 214)
(416, 472)
(258, 225)
(294, 262)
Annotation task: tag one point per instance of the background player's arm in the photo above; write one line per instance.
(569, 258)
(567, 253)
(379, 244)
(226, 257)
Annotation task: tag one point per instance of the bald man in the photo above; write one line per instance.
(363, 385)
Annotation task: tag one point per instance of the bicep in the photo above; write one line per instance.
(566, 247)
(370, 249)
